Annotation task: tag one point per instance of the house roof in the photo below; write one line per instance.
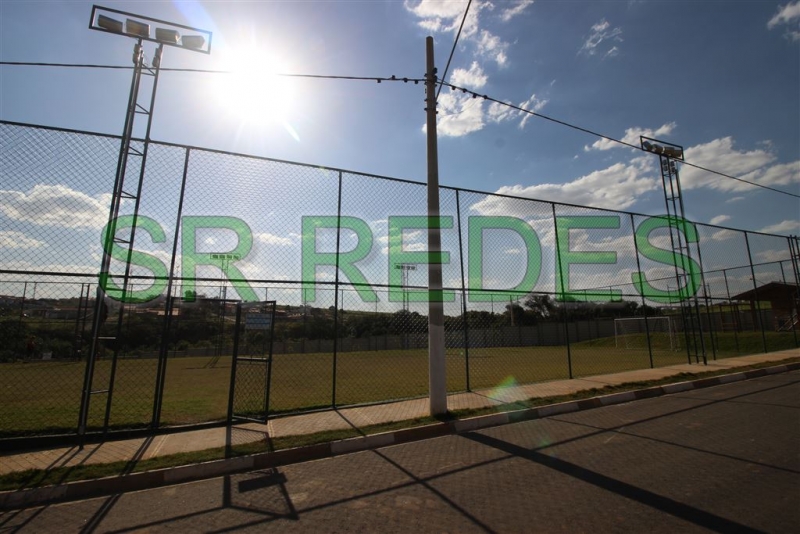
(770, 291)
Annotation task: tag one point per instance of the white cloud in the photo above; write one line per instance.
(23, 265)
(756, 166)
(415, 247)
(632, 137)
(719, 219)
(497, 112)
(597, 240)
(270, 239)
(492, 47)
(433, 9)
(601, 32)
(14, 239)
(734, 199)
(532, 104)
(408, 247)
(782, 227)
(55, 205)
(512, 12)
(411, 241)
(325, 277)
(432, 25)
(617, 187)
(408, 237)
(724, 235)
(446, 16)
(786, 15)
(773, 255)
(461, 114)
(472, 78)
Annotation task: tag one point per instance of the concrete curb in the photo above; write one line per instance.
(71, 491)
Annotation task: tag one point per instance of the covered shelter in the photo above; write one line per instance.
(784, 299)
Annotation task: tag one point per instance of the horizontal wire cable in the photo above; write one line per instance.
(378, 79)
(609, 138)
(416, 81)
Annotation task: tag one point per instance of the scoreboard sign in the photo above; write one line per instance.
(257, 321)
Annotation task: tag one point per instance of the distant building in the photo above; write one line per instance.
(784, 299)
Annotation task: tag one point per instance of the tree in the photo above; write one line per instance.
(540, 306)
(516, 314)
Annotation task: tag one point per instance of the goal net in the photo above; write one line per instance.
(631, 333)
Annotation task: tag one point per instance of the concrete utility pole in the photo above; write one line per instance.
(436, 354)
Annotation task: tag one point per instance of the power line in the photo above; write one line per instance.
(211, 71)
(609, 138)
(73, 65)
(452, 51)
(416, 81)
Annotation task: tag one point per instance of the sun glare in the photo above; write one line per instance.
(252, 92)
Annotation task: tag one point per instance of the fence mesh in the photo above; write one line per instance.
(533, 290)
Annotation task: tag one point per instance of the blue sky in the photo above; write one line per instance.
(720, 78)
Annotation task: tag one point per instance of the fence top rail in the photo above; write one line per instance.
(377, 176)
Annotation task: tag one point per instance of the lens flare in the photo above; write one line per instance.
(505, 391)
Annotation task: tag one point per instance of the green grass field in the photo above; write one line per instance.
(44, 397)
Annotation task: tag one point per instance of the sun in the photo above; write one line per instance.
(252, 90)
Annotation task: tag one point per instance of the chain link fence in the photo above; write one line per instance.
(533, 290)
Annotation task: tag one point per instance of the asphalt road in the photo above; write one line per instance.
(723, 459)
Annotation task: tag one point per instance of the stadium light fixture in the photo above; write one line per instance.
(194, 42)
(661, 148)
(140, 27)
(109, 24)
(168, 36)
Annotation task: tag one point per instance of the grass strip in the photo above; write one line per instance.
(32, 478)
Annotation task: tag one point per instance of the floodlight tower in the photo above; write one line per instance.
(669, 154)
(405, 268)
(131, 152)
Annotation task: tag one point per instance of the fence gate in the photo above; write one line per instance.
(251, 367)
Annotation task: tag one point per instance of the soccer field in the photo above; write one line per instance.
(44, 397)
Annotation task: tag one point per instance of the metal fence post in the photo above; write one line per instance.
(463, 291)
(161, 370)
(755, 292)
(734, 311)
(336, 292)
(644, 302)
(708, 308)
(232, 386)
(561, 278)
(794, 255)
(793, 317)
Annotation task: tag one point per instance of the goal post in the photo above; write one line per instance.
(631, 333)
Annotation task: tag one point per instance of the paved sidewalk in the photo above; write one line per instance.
(357, 417)
(709, 459)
